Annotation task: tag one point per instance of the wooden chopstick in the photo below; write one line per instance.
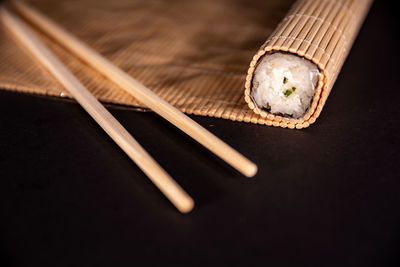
(138, 90)
(182, 201)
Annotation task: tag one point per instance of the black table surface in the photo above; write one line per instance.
(328, 195)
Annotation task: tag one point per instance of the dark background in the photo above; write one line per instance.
(328, 195)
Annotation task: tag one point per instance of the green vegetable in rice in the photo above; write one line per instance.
(289, 91)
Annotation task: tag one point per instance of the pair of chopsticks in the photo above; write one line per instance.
(114, 129)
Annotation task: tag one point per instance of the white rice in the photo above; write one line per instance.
(284, 84)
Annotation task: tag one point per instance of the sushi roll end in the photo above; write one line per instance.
(284, 84)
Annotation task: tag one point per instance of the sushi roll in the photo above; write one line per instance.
(292, 74)
(284, 84)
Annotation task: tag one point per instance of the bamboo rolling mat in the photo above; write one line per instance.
(322, 31)
(194, 54)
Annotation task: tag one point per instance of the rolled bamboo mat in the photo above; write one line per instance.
(322, 31)
(194, 54)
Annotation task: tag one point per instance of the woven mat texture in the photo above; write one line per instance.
(195, 54)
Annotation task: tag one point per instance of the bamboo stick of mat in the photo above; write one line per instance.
(138, 90)
(182, 201)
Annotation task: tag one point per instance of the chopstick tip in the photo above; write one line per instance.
(186, 206)
(251, 170)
